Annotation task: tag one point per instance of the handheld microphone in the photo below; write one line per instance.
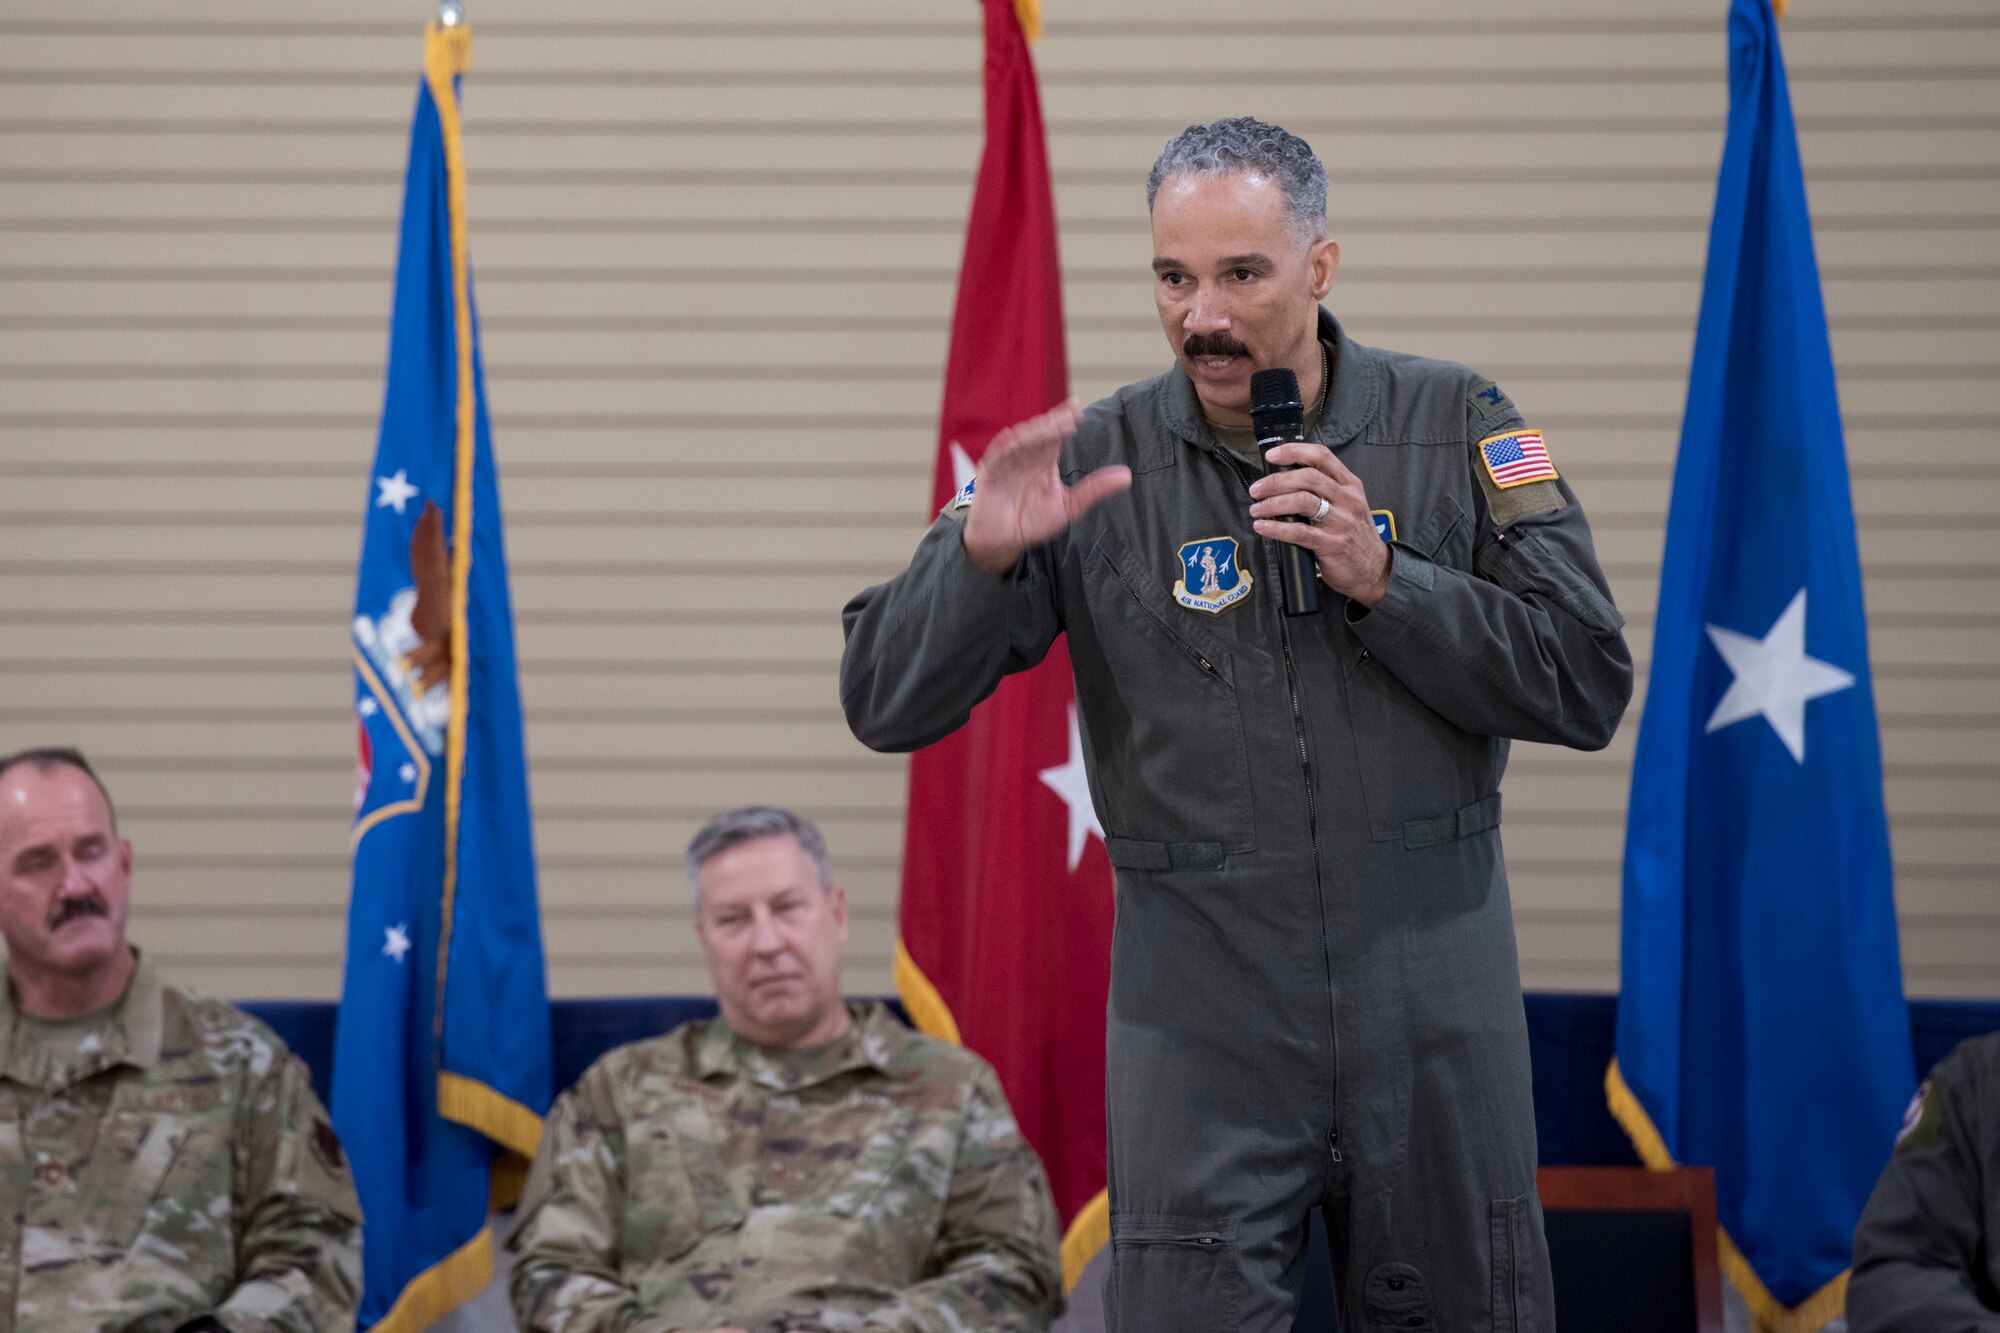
(1278, 417)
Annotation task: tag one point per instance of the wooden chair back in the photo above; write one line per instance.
(1689, 1190)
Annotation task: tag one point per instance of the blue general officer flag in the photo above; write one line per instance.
(441, 1059)
(1761, 1028)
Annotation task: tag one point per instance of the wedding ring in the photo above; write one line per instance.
(1323, 511)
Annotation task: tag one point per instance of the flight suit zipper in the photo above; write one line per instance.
(1312, 819)
(1274, 581)
(1312, 838)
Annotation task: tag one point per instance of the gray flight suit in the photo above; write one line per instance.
(1927, 1252)
(1315, 999)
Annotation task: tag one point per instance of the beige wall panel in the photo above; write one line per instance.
(1499, 348)
(632, 110)
(55, 697)
(1571, 152)
(716, 261)
(620, 204)
(774, 595)
(237, 791)
(530, 501)
(650, 839)
(1895, 597)
(630, 548)
(801, 395)
(1555, 839)
(230, 447)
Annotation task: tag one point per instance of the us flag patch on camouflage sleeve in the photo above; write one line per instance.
(1515, 458)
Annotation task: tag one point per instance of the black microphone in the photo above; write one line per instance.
(1278, 417)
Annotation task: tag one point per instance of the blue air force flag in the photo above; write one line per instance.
(441, 1058)
(1761, 1025)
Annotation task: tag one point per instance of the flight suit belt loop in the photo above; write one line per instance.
(1131, 854)
(1474, 818)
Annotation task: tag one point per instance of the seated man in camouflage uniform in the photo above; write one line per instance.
(799, 1164)
(164, 1164)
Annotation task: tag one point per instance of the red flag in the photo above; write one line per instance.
(1007, 900)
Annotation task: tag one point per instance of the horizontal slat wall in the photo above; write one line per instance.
(715, 260)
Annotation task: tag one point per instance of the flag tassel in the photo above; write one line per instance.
(1770, 1315)
(441, 1288)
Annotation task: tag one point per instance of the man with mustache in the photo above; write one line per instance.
(1315, 999)
(799, 1165)
(164, 1163)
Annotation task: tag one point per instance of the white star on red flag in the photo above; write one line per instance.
(1069, 781)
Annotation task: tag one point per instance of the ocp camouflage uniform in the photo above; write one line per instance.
(696, 1181)
(164, 1160)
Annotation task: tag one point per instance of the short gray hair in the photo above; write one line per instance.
(733, 828)
(1245, 145)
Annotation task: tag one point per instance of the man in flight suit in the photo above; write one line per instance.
(1315, 999)
(1927, 1252)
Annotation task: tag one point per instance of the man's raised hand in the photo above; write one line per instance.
(1019, 500)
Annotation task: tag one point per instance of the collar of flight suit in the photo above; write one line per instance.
(875, 1042)
(1350, 401)
(130, 1034)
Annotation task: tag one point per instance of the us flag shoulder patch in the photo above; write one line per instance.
(1516, 458)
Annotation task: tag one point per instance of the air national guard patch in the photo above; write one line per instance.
(1214, 579)
(1385, 524)
(1516, 458)
(963, 499)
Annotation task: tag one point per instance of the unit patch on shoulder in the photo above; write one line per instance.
(1213, 578)
(1920, 1121)
(1487, 400)
(956, 508)
(326, 1147)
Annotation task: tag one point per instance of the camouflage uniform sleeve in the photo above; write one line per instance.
(995, 1264)
(566, 1276)
(299, 1222)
